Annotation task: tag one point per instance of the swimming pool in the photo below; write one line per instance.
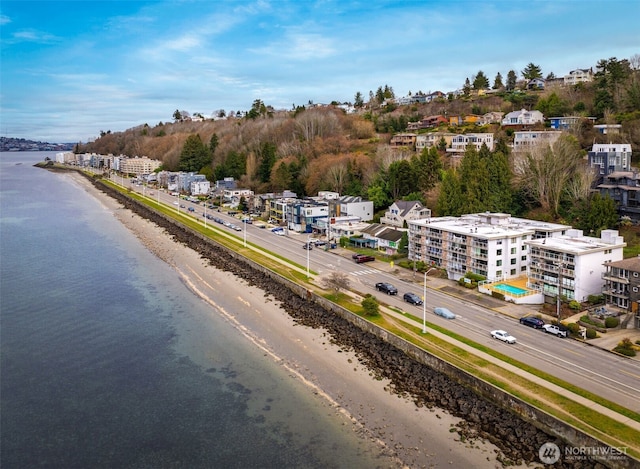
(505, 287)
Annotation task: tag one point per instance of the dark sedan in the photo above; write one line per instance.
(412, 298)
(531, 321)
(386, 288)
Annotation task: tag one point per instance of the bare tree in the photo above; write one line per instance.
(336, 281)
(337, 176)
(547, 170)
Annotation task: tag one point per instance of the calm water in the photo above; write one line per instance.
(91, 369)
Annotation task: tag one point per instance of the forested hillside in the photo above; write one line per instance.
(313, 148)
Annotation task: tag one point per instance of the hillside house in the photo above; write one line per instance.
(523, 117)
(402, 211)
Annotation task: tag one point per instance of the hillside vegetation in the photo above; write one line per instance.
(322, 148)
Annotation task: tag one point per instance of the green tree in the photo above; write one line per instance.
(552, 105)
(531, 71)
(403, 245)
(267, 160)
(427, 166)
(597, 213)
(177, 115)
(497, 82)
(512, 79)
(378, 194)
(358, 100)
(500, 193)
(474, 181)
(281, 178)
(213, 144)
(194, 155)
(235, 164)
(466, 88)
(370, 305)
(450, 197)
(401, 179)
(480, 82)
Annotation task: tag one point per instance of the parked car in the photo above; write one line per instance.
(308, 246)
(360, 258)
(554, 329)
(444, 312)
(386, 288)
(503, 336)
(531, 321)
(412, 298)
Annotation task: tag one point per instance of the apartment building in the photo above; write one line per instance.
(139, 166)
(622, 284)
(460, 142)
(489, 244)
(608, 158)
(525, 140)
(572, 264)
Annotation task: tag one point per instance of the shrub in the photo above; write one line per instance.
(370, 305)
(574, 328)
(595, 299)
(497, 295)
(575, 305)
(591, 333)
(625, 347)
(611, 322)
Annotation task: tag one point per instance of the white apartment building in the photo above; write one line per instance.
(526, 139)
(460, 142)
(200, 187)
(489, 244)
(578, 75)
(139, 166)
(572, 263)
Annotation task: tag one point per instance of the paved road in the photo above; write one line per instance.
(592, 368)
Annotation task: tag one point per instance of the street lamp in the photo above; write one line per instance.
(308, 249)
(559, 300)
(245, 232)
(424, 302)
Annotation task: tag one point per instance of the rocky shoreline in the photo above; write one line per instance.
(518, 441)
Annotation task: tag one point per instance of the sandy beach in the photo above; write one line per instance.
(419, 437)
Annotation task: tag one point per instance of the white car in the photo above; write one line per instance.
(503, 336)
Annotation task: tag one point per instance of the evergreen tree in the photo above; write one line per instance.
(480, 82)
(213, 144)
(427, 167)
(466, 89)
(500, 194)
(235, 165)
(474, 181)
(358, 100)
(401, 179)
(267, 160)
(497, 82)
(531, 71)
(194, 155)
(450, 199)
(512, 79)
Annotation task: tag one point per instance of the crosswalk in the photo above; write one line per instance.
(365, 272)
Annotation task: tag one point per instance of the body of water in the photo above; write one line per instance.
(91, 374)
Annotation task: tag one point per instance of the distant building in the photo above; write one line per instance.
(624, 188)
(622, 285)
(403, 140)
(139, 166)
(460, 142)
(567, 122)
(579, 75)
(609, 158)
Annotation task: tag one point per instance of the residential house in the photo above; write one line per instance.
(572, 265)
(428, 122)
(403, 140)
(460, 142)
(624, 188)
(609, 158)
(579, 75)
(493, 117)
(567, 122)
(525, 140)
(622, 285)
(200, 187)
(303, 215)
(433, 139)
(536, 84)
(608, 129)
(352, 206)
(384, 238)
(487, 244)
(523, 117)
(401, 211)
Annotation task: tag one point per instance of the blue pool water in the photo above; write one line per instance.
(510, 289)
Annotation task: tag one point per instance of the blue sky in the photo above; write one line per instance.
(70, 69)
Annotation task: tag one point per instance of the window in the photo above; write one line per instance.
(498, 273)
(513, 250)
(498, 263)
(635, 289)
(523, 258)
(513, 271)
(513, 261)
(499, 252)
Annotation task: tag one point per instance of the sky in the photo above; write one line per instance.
(71, 69)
